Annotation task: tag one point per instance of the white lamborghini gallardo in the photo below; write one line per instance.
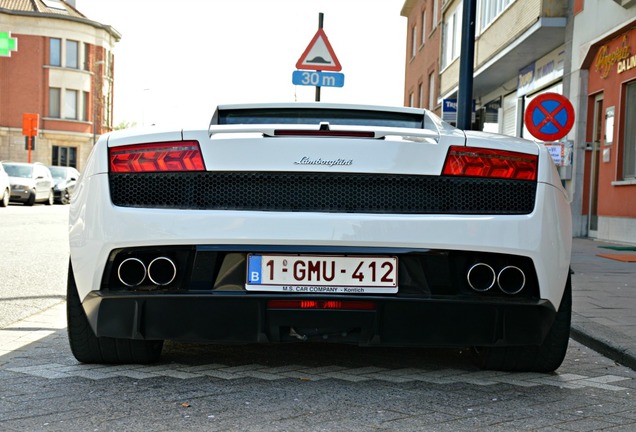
(297, 222)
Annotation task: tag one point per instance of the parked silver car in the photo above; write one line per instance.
(5, 187)
(30, 182)
(65, 179)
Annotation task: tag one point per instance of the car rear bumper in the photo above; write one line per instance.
(247, 318)
(97, 230)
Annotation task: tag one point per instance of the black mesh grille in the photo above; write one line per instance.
(323, 192)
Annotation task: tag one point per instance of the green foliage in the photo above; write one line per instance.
(125, 125)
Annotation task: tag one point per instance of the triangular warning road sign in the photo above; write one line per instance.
(319, 55)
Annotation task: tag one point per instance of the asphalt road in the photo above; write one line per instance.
(34, 257)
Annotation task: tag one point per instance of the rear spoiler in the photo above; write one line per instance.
(325, 130)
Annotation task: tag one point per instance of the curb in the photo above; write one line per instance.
(604, 340)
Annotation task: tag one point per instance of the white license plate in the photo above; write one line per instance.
(322, 274)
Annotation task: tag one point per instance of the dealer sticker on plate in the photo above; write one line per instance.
(322, 274)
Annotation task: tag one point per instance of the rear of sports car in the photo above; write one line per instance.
(353, 224)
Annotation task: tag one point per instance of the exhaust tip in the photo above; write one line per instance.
(162, 271)
(131, 272)
(481, 277)
(511, 280)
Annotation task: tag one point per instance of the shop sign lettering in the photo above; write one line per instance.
(627, 64)
(621, 56)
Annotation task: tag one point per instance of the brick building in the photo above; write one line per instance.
(422, 55)
(57, 64)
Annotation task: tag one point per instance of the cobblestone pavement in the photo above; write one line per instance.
(299, 387)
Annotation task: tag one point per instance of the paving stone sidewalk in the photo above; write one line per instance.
(604, 299)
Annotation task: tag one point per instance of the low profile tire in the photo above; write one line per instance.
(5, 198)
(546, 357)
(88, 348)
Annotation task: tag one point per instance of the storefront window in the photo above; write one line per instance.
(629, 140)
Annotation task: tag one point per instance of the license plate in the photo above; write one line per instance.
(322, 274)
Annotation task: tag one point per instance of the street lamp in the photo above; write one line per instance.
(95, 99)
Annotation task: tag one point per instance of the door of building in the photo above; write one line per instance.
(597, 138)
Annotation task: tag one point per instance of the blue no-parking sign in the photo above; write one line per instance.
(549, 116)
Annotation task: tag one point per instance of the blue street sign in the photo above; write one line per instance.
(318, 78)
(549, 116)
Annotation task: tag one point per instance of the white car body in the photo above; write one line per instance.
(98, 227)
(5, 187)
(30, 182)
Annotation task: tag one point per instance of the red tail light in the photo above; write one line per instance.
(156, 157)
(480, 162)
(320, 304)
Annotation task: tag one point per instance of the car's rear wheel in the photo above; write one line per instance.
(546, 357)
(5, 198)
(88, 348)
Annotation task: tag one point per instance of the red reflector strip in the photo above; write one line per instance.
(157, 157)
(480, 162)
(320, 304)
(323, 133)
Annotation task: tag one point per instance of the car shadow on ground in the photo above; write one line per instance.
(317, 354)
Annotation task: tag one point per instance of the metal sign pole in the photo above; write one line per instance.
(320, 23)
(466, 66)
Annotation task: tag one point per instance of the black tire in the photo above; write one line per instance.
(88, 348)
(546, 357)
(65, 197)
(50, 200)
(5, 198)
(31, 200)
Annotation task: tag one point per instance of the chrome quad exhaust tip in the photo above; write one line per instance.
(511, 280)
(131, 272)
(162, 271)
(481, 277)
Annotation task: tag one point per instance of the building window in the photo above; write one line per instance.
(64, 156)
(431, 91)
(489, 10)
(421, 95)
(108, 65)
(629, 140)
(70, 104)
(54, 102)
(411, 100)
(85, 104)
(435, 11)
(451, 43)
(72, 54)
(87, 57)
(413, 41)
(423, 28)
(55, 52)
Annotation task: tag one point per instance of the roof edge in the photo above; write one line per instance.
(108, 28)
(407, 7)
